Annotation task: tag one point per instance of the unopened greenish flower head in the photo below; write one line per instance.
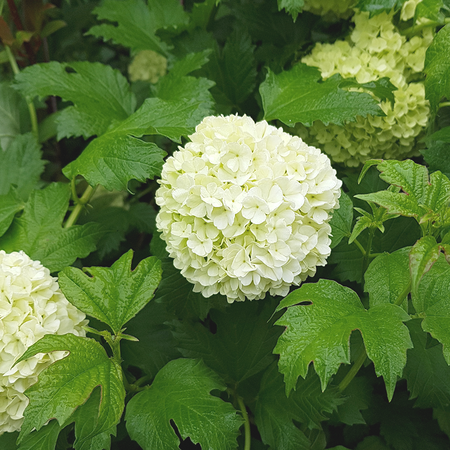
(147, 65)
(375, 49)
(244, 208)
(31, 306)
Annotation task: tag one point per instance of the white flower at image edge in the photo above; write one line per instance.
(31, 306)
(244, 208)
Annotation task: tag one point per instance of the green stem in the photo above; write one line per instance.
(353, 370)
(248, 436)
(31, 108)
(400, 299)
(443, 104)
(367, 253)
(358, 244)
(81, 203)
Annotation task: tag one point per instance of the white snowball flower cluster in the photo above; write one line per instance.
(375, 49)
(245, 208)
(330, 8)
(147, 65)
(31, 306)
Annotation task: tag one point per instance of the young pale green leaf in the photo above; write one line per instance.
(112, 295)
(242, 345)
(38, 231)
(387, 277)
(362, 223)
(341, 222)
(44, 439)
(429, 9)
(379, 6)
(21, 165)
(437, 68)
(181, 393)
(118, 157)
(99, 93)
(421, 257)
(300, 95)
(433, 303)
(14, 117)
(275, 413)
(394, 202)
(135, 29)
(426, 371)
(10, 205)
(318, 329)
(68, 383)
(438, 148)
(292, 7)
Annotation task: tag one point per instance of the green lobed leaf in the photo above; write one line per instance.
(177, 85)
(358, 396)
(421, 257)
(117, 157)
(362, 223)
(292, 7)
(233, 69)
(168, 13)
(319, 330)
(8, 440)
(387, 277)
(434, 303)
(426, 371)
(14, 117)
(379, 6)
(241, 345)
(438, 148)
(136, 25)
(395, 203)
(10, 205)
(308, 405)
(112, 295)
(181, 393)
(100, 94)
(156, 346)
(437, 68)
(382, 88)
(44, 439)
(21, 165)
(341, 222)
(300, 95)
(69, 382)
(38, 231)
(86, 423)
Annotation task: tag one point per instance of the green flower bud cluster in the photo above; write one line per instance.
(336, 8)
(375, 49)
(147, 65)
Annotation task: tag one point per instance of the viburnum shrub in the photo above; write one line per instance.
(163, 163)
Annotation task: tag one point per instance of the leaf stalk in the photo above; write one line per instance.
(248, 436)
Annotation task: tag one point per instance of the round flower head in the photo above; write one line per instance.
(245, 208)
(31, 306)
(375, 49)
(147, 65)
